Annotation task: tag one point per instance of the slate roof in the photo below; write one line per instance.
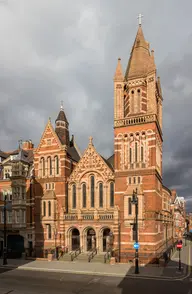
(141, 61)
(72, 152)
(3, 154)
(111, 160)
(61, 116)
(23, 155)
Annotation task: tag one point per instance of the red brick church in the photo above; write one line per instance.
(84, 200)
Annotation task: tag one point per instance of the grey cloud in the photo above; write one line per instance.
(60, 50)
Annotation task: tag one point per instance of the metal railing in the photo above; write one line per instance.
(75, 253)
(107, 256)
(92, 254)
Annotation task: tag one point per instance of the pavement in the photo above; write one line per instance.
(171, 271)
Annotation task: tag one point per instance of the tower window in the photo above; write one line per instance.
(132, 92)
(138, 91)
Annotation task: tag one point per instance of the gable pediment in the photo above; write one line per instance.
(49, 139)
(91, 161)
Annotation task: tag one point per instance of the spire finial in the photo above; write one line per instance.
(90, 140)
(61, 107)
(140, 18)
(20, 142)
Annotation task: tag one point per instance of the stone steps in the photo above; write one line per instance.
(82, 257)
(65, 257)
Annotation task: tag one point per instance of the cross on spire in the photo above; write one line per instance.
(61, 105)
(140, 18)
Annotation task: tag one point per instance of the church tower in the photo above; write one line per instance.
(62, 127)
(138, 146)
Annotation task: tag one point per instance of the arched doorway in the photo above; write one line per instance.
(106, 239)
(91, 239)
(75, 239)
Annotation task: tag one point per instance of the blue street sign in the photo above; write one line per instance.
(136, 245)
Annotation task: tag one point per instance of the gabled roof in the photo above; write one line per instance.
(92, 159)
(49, 127)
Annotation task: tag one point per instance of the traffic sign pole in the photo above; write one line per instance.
(179, 259)
(179, 247)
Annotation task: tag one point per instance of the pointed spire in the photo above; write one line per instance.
(61, 127)
(61, 116)
(119, 72)
(141, 61)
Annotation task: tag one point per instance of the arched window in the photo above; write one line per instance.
(92, 191)
(130, 155)
(56, 165)
(111, 194)
(42, 166)
(44, 208)
(49, 208)
(49, 162)
(84, 196)
(74, 196)
(101, 194)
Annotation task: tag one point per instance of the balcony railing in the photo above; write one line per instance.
(70, 217)
(89, 216)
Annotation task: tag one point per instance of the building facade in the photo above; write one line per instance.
(76, 200)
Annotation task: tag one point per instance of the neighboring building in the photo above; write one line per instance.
(189, 222)
(179, 211)
(84, 201)
(16, 168)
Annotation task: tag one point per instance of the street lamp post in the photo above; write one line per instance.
(5, 232)
(135, 202)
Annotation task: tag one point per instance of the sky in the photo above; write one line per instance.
(54, 50)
